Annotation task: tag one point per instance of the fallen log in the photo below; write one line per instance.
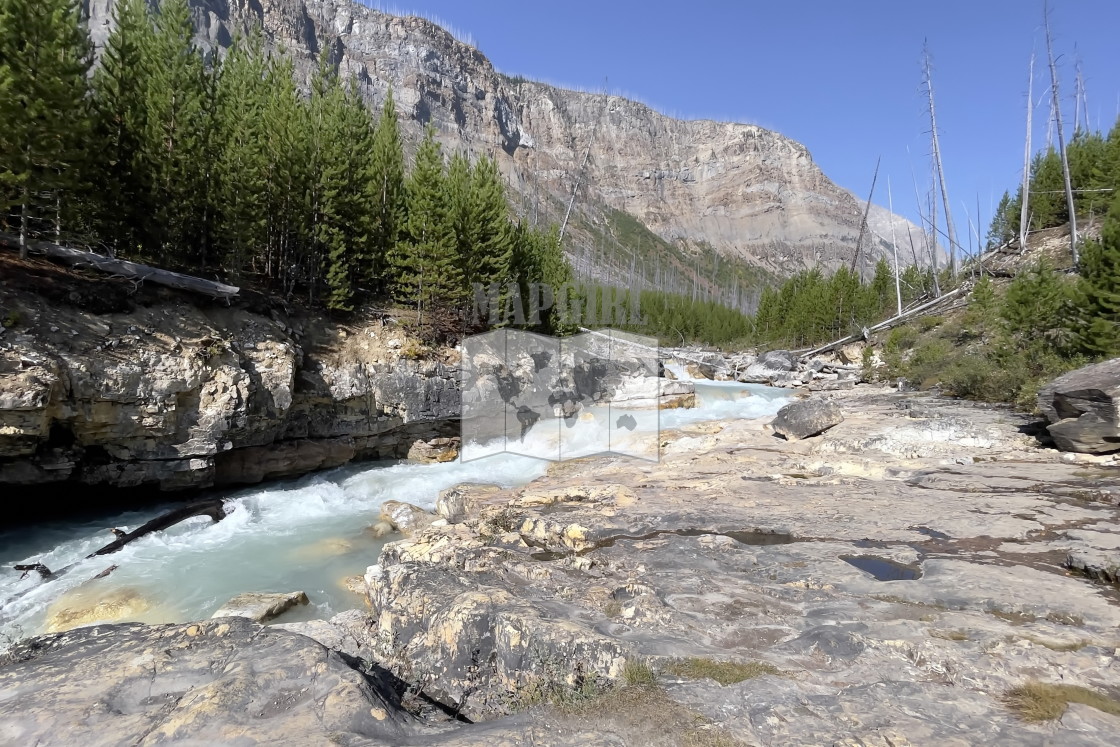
(125, 269)
(41, 569)
(212, 508)
(886, 324)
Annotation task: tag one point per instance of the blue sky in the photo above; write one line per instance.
(841, 76)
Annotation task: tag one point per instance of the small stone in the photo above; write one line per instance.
(260, 607)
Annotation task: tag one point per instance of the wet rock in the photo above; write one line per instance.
(1083, 408)
(290, 458)
(380, 529)
(324, 548)
(404, 517)
(90, 603)
(260, 607)
(215, 682)
(435, 450)
(807, 418)
(456, 503)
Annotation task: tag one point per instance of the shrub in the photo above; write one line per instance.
(1042, 701)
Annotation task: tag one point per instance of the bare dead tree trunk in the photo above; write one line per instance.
(894, 246)
(1054, 97)
(582, 168)
(863, 223)
(940, 169)
(23, 209)
(1024, 215)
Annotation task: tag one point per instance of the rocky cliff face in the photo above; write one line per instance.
(748, 192)
(155, 391)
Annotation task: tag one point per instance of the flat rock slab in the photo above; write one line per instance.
(216, 682)
(260, 607)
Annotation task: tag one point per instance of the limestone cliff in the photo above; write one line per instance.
(103, 384)
(750, 193)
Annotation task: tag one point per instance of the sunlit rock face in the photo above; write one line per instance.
(173, 396)
(747, 191)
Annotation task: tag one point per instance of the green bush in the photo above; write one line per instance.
(928, 361)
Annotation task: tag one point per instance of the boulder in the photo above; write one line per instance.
(1083, 408)
(434, 450)
(215, 682)
(851, 354)
(456, 503)
(778, 360)
(260, 607)
(806, 418)
(405, 518)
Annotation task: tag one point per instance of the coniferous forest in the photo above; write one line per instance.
(225, 167)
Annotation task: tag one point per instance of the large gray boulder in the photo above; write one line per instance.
(224, 681)
(1083, 408)
(808, 418)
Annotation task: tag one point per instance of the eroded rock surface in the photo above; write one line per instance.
(261, 606)
(169, 393)
(741, 547)
(1083, 408)
(218, 682)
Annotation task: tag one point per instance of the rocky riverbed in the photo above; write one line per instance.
(887, 582)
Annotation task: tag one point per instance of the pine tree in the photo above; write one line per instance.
(241, 171)
(177, 143)
(348, 188)
(425, 270)
(119, 85)
(1000, 231)
(1100, 288)
(492, 251)
(287, 204)
(44, 62)
(388, 206)
(1048, 204)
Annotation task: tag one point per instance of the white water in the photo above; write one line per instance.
(307, 534)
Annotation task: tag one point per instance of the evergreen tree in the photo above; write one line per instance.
(242, 167)
(44, 62)
(1039, 306)
(1000, 232)
(1100, 288)
(287, 205)
(178, 100)
(388, 206)
(492, 250)
(1048, 202)
(425, 270)
(119, 86)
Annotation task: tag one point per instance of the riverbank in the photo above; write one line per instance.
(891, 581)
(107, 386)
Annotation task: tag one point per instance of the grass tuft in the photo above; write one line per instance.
(1012, 616)
(723, 672)
(950, 635)
(638, 674)
(1043, 701)
(1055, 645)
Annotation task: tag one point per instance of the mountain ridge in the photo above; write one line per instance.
(752, 198)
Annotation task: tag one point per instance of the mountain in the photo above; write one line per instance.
(701, 206)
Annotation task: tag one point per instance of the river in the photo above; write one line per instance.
(308, 534)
